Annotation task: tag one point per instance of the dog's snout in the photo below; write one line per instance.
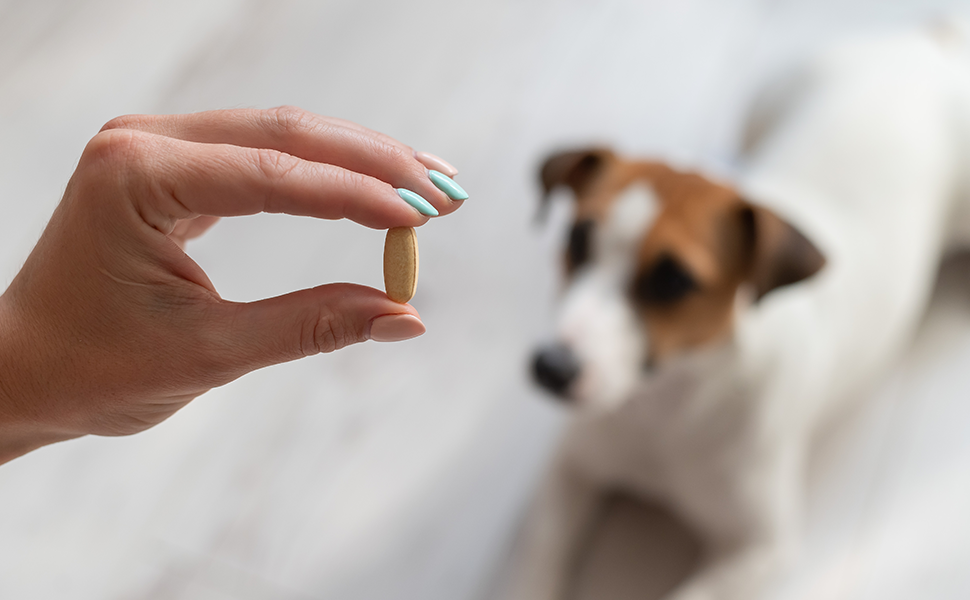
(555, 368)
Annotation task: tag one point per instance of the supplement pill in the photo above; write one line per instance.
(401, 263)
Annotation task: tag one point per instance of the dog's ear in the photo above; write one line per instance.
(775, 253)
(575, 169)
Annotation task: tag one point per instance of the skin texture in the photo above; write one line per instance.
(109, 328)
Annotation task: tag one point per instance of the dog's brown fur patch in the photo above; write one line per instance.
(694, 226)
(721, 240)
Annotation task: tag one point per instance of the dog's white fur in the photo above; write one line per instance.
(865, 151)
(596, 319)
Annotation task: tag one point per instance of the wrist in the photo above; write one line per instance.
(20, 429)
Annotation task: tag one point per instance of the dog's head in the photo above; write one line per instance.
(655, 263)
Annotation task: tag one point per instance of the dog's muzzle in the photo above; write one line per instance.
(555, 368)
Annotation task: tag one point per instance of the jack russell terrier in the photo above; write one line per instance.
(707, 329)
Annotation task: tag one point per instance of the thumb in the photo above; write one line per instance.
(321, 319)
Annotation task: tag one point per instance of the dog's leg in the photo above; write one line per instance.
(750, 525)
(547, 549)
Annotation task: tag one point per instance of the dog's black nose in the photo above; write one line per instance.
(555, 368)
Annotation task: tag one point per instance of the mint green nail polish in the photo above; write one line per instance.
(419, 203)
(447, 185)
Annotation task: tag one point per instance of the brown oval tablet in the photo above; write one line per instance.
(401, 263)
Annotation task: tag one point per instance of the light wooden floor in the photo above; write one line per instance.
(397, 471)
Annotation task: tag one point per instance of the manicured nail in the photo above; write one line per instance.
(447, 185)
(437, 163)
(420, 204)
(394, 328)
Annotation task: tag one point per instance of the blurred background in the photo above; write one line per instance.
(399, 471)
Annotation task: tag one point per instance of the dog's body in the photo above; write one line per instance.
(864, 153)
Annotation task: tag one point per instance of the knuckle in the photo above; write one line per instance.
(127, 163)
(323, 332)
(118, 147)
(328, 335)
(289, 120)
(395, 155)
(123, 122)
(275, 167)
(110, 145)
(115, 155)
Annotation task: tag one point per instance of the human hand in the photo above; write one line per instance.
(109, 328)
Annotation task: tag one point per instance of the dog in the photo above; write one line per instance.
(706, 329)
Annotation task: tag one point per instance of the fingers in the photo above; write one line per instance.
(305, 135)
(168, 180)
(322, 319)
(188, 229)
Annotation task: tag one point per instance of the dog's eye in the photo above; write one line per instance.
(664, 283)
(580, 239)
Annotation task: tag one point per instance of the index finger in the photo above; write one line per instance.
(168, 179)
(303, 134)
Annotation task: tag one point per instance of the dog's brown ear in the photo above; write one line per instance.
(575, 169)
(776, 254)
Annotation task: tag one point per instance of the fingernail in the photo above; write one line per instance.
(436, 162)
(420, 204)
(447, 185)
(394, 328)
